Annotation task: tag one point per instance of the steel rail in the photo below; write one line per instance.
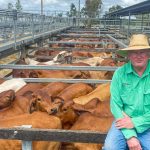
(122, 45)
(47, 80)
(72, 43)
(43, 67)
(101, 32)
(83, 35)
(34, 134)
(82, 49)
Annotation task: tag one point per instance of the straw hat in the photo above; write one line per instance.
(137, 42)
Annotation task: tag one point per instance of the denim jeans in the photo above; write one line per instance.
(115, 140)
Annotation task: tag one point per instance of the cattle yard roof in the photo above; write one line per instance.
(140, 8)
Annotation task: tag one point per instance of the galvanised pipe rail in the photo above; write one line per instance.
(29, 39)
(20, 25)
(43, 67)
(44, 80)
(101, 32)
(82, 49)
(88, 29)
(72, 43)
(83, 35)
(122, 45)
(82, 136)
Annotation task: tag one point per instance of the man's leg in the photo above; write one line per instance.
(144, 139)
(115, 140)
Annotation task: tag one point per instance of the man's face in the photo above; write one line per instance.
(139, 58)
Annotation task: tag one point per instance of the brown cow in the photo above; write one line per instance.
(23, 73)
(53, 89)
(6, 98)
(43, 102)
(67, 115)
(87, 121)
(103, 74)
(95, 107)
(58, 74)
(75, 90)
(55, 104)
(81, 54)
(65, 112)
(28, 89)
(37, 120)
(21, 105)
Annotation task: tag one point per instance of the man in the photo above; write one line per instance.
(130, 99)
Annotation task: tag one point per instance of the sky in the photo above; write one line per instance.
(63, 5)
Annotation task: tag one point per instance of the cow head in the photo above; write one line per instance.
(66, 113)
(41, 101)
(6, 98)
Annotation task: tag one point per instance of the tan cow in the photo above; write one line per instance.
(37, 120)
(102, 92)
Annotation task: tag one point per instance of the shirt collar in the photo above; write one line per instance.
(129, 67)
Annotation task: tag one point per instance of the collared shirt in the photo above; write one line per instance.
(130, 93)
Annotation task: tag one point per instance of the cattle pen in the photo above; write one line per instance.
(45, 49)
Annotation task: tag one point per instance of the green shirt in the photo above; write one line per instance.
(130, 93)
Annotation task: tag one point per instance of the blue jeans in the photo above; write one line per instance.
(115, 140)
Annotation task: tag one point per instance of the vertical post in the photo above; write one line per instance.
(41, 7)
(116, 22)
(120, 24)
(129, 24)
(142, 23)
(15, 20)
(26, 145)
(79, 15)
(105, 22)
(32, 24)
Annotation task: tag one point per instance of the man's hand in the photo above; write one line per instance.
(134, 144)
(125, 122)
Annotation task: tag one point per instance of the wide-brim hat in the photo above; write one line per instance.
(137, 42)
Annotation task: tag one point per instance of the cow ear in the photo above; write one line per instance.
(32, 106)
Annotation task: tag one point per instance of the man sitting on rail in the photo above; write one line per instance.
(130, 99)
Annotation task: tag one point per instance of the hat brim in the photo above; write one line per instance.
(123, 52)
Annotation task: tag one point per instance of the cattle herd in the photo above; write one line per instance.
(59, 105)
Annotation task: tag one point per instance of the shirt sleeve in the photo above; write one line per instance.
(142, 123)
(117, 105)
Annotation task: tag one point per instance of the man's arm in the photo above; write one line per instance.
(142, 123)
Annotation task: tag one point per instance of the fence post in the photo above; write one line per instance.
(26, 145)
(14, 26)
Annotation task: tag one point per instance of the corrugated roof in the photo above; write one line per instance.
(143, 7)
